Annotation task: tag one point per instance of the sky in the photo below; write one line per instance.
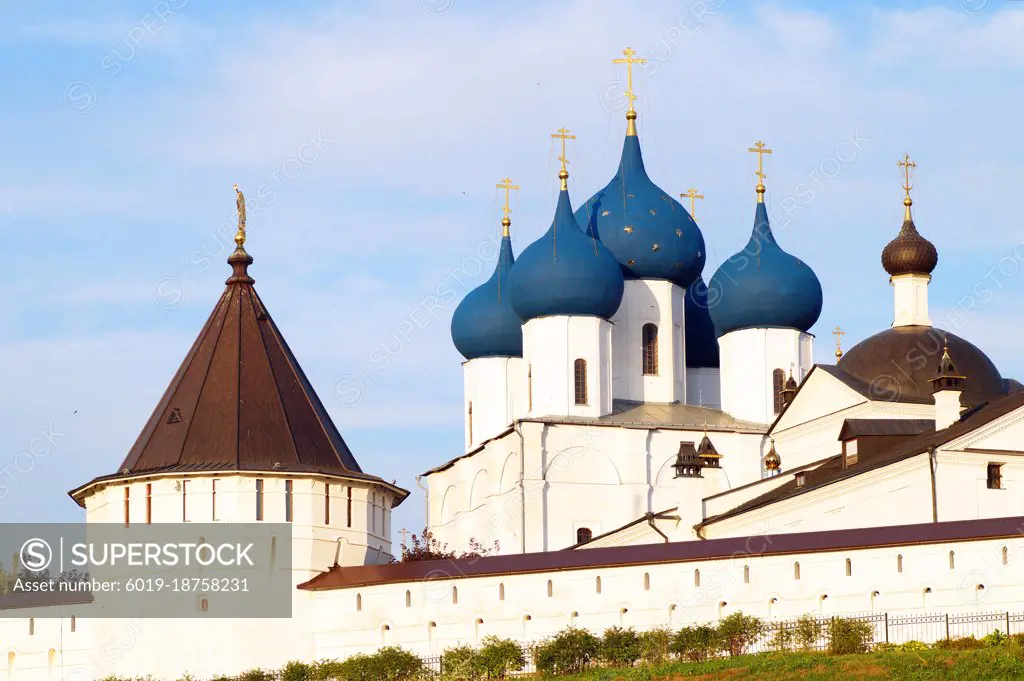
(369, 137)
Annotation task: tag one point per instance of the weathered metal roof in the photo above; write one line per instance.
(629, 414)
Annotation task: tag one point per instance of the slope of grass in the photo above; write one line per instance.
(996, 663)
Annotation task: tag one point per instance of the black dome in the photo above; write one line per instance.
(909, 252)
(897, 364)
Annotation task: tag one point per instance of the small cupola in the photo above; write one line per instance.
(688, 461)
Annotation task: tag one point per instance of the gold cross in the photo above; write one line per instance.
(838, 333)
(907, 164)
(507, 185)
(760, 150)
(404, 533)
(563, 134)
(692, 194)
(629, 61)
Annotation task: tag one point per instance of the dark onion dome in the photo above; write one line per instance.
(899, 363)
(701, 342)
(565, 272)
(762, 286)
(484, 323)
(909, 252)
(649, 233)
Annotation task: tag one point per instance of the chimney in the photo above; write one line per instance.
(946, 388)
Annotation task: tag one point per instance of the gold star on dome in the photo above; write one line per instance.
(655, 246)
(627, 229)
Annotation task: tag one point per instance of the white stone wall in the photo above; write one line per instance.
(748, 357)
(910, 295)
(658, 302)
(495, 388)
(704, 387)
(668, 595)
(551, 346)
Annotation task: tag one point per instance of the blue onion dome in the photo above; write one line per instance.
(566, 272)
(484, 323)
(649, 233)
(763, 286)
(701, 342)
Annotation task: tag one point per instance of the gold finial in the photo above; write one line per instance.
(507, 185)
(629, 60)
(692, 194)
(240, 203)
(907, 164)
(838, 333)
(563, 174)
(760, 150)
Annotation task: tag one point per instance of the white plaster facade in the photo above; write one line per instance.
(551, 348)
(748, 359)
(910, 295)
(658, 302)
(496, 394)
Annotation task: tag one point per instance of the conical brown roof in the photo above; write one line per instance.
(240, 401)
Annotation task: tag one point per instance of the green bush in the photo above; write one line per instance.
(256, 675)
(620, 647)
(738, 631)
(655, 645)
(847, 636)
(499, 656)
(325, 670)
(912, 647)
(696, 643)
(569, 652)
(996, 638)
(296, 671)
(782, 637)
(966, 643)
(387, 664)
(460, 663)
(807, 632)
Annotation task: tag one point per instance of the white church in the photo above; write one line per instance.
(647, 449)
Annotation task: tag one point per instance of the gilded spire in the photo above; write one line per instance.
(240, 203)
(838, 333)
(692, 194)
(907, 165)
(563, 174)
(760, 150)
(506, 222)
(629, 59)
(240, 260)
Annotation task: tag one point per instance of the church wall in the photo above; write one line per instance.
(961, 481)
(551, 346)
(748, 358)
(443, 613)
(496, 389)
(649, 301)
(704, 387)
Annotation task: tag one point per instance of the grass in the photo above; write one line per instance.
(995, 663)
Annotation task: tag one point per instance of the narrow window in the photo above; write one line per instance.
(696, 577)
(899, 563)
(408, 598)
(259, 499)
(74, 624)
(184, 501)
(580, 376)
(995, 476)
(551, 589)
(746, 574)
(359, 602)
(348, 509)
(469, 420)
(796, 570)
(1006, 556)
(583, 534)
(800, 479)
(204, 605)
(778, 383)
(647, 581)
(327, 503)
(501, 592)
(597, 585)
(149, 503)
(849, 567)
(649, 342)
(31, 626)
(373, 511)
(288, 505)
(952, 561)
(127, 506)
(455, 595)
(213, 499)
(529, 388)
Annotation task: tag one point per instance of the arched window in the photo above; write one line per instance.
(31, 626)
(455, 595)
(1006, 556)
(952, 560)
(778, 383)
(649, 341)
(74, 624)
(696, 577)
(796, 570)
(583, 534)
(597, 585)
(746, 574)
(849, 567)
(408, 598)
(469, 420)
(551, 589)
(899, 563)
(359, 602)
(501, 592)
(529, 388)
(580, 380)
(647, 581)
(204, 605)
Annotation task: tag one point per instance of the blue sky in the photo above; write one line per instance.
(369, 137)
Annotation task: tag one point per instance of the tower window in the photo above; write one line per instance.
(149, 502)
(995, 476)
(327, 503)
(778, 383)
(288, 503)
(469, 421)
(259, 499)
(649, 335)
(529, 388)
(580, 376)
(583, 534)
(127, 507)
(348, 509)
